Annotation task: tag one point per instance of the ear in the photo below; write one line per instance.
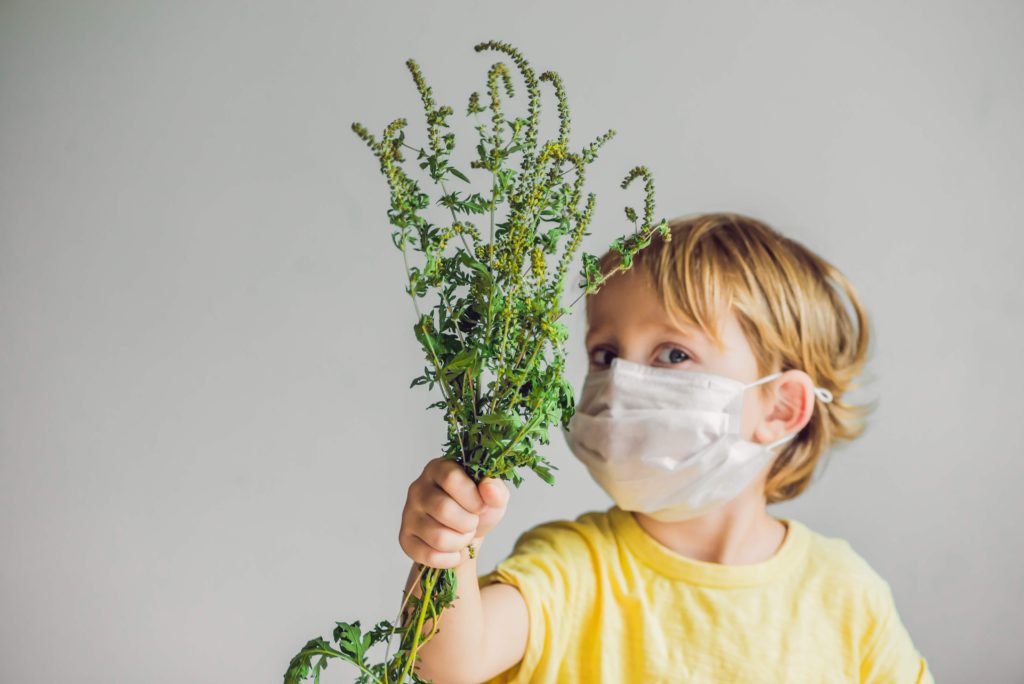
(791, 408)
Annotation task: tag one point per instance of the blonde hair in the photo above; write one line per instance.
(788, 302)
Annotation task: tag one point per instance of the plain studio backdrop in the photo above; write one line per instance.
(206, 426)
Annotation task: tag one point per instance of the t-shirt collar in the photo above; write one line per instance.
(677, 566)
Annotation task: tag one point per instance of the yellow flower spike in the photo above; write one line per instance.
(428, 102)
(563, 106)
(498, 70)
(471, 230)
(537, 264)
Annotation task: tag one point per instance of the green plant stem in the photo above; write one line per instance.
(462, 339)
(400, 618)
(455, 219)
(441, 383)
(580, 296)
(408, 278)
(445, 390)
(425, 601)
(490, 239)
(512, 387)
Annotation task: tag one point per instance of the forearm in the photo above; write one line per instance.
(449, 657)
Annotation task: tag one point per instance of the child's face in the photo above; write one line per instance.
(627, 320)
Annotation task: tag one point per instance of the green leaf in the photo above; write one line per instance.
(510, 420)
(351, 642)
(479, 267)
(381, 632)
(459, 174)
(544, 473)
(463, 360)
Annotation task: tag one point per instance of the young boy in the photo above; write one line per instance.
(716, 347)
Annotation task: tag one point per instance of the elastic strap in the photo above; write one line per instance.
(764, 379)
(819, 392)
(780, 441)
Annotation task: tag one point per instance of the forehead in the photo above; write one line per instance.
(629, 305)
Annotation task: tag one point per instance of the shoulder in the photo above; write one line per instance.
(592, 526)
(837, 567)
(863, 602)
(568, 539)
(565, 550)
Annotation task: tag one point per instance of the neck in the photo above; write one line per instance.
(737, 533)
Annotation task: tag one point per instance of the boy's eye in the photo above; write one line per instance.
(595, 356)
(668, 355)
(672, 355)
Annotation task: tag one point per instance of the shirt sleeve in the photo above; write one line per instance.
(891, 656)
(545, 565)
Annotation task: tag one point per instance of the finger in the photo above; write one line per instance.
(440, 537)
(422, 552)
(494, 492)
(447, 511)
(453, 480)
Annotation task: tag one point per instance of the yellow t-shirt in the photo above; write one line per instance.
(609, 603)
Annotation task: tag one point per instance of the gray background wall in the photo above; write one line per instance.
(206, 430)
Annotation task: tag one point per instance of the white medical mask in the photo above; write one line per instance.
(667, 442)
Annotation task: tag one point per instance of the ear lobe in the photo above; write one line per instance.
(792, 408)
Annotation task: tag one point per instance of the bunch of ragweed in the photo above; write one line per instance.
(487, 312)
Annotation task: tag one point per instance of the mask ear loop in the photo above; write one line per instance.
(766, 378)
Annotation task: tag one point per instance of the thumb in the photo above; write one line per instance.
(494, 492)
